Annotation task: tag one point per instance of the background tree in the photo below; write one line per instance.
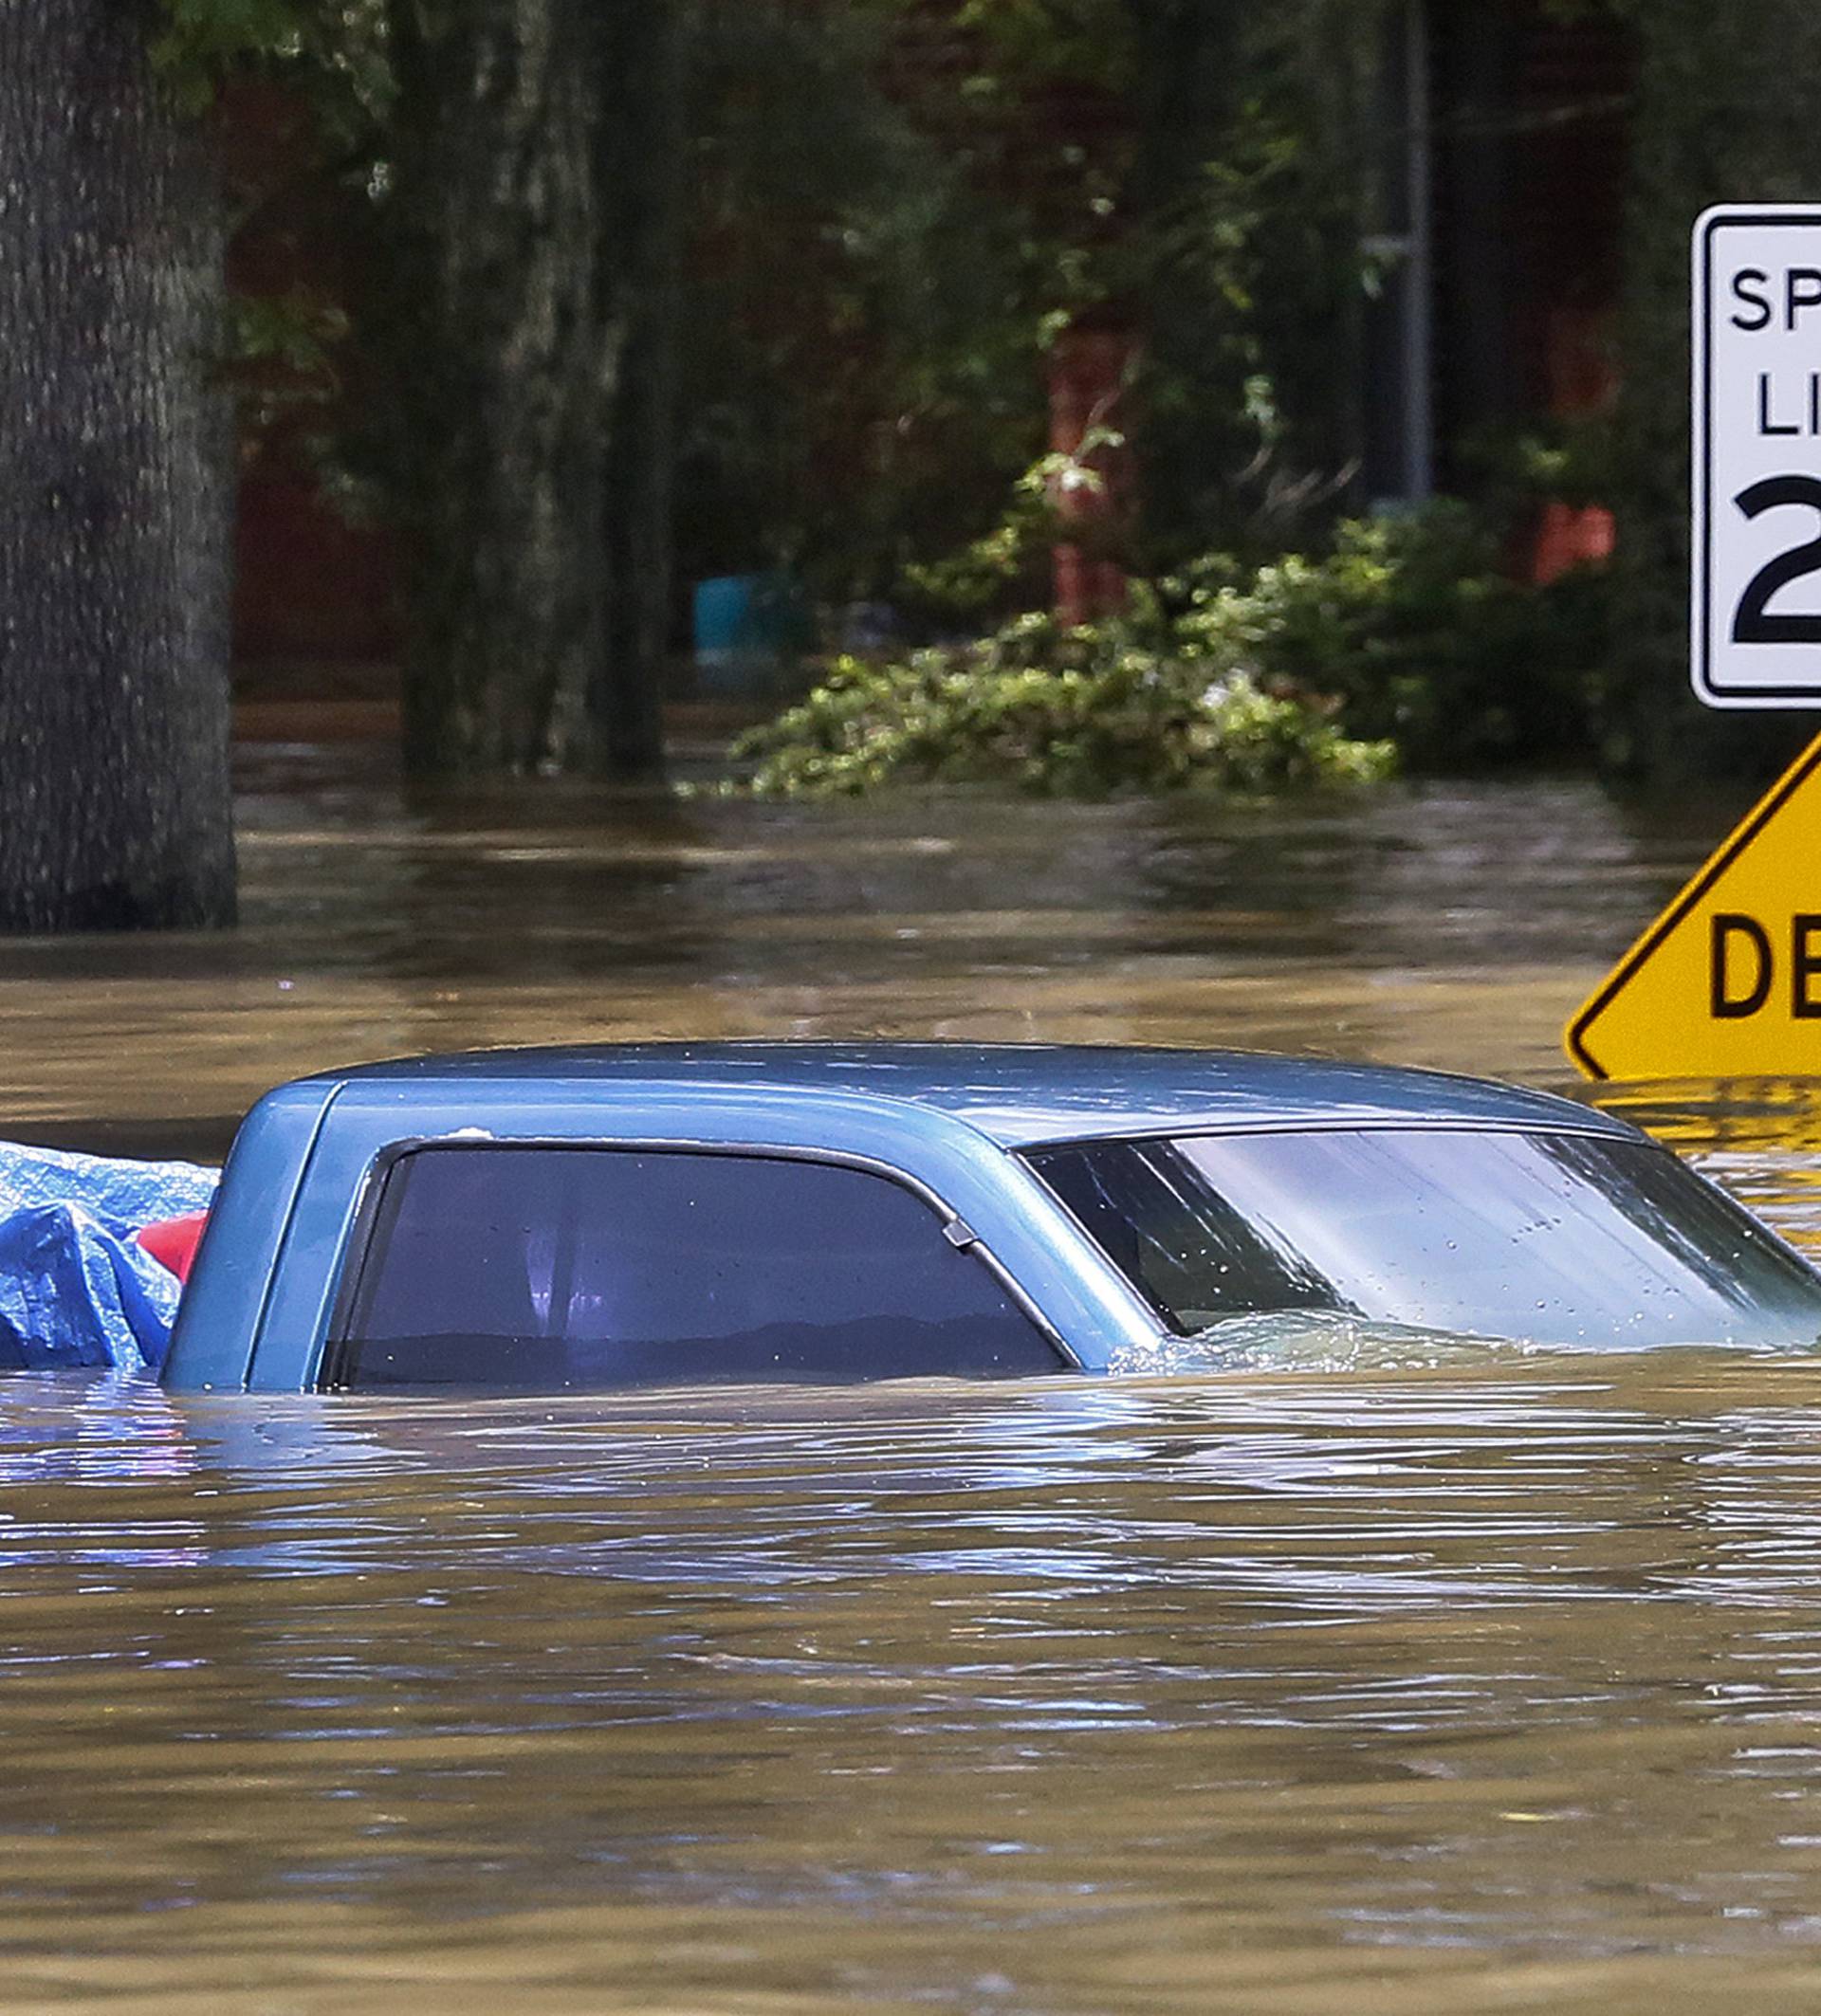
(1249, 195)
(1717, 120)
(502, 373)
(115, 510)
(531, 226)
(643, 146)
(900, 208)
(866, 277)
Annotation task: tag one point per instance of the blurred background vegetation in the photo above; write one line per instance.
(1329, 351)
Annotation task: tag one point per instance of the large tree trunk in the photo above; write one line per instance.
(536, 228)
(643, 138)
(114, 510)
(505, 373)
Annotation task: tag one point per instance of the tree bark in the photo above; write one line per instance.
(536, 224)
(644, 135)
(114, 809)
(504, 372)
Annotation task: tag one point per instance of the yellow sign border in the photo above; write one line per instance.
(1729, 851)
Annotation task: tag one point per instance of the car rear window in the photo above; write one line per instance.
(536, 1269)
(1555, 1239)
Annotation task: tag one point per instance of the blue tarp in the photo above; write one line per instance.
(75, 1288)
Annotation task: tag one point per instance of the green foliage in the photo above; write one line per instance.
(283, 354)
(1010, 553)
(318, 141)
(899, 206)
(1254, 188)
(297, 331)
(200, 39)
(333, 50)
(1720, 113)
(861, 369)
(896, 206)
(1407, 635)
(1417, 628)
(1081, 712)
(1069, 41)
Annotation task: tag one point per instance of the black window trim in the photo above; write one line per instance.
(358, 1249)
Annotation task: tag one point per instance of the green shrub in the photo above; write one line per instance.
(1051, 710)
(1409, 640)
(1418, 629)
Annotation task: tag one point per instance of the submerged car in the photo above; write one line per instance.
(564, 1219)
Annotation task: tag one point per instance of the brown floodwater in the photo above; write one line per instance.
(1485, 1684)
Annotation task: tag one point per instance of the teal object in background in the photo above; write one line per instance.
(750, 631)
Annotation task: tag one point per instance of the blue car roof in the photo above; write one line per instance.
(1019, 1095)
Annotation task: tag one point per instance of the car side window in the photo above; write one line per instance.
(540, 1269)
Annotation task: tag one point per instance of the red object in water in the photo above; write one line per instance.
(173, 1241)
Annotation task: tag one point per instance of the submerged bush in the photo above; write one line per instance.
(1052, 710)
(1408, 640)
(1417, 628)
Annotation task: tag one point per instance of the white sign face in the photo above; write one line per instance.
(1757, 457)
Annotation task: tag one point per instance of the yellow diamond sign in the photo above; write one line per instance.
(1727, 981)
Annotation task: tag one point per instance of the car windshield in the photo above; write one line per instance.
(1556, 1238)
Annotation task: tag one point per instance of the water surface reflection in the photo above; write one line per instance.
(1170, 1695)
(1486, 1684)
(1435, 924)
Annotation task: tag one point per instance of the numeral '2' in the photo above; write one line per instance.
(1753, 625)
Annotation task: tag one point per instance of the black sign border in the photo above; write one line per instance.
(1706, 688)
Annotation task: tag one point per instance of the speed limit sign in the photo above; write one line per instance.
(1756, 615)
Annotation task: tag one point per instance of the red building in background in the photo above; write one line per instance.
(311, 587)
